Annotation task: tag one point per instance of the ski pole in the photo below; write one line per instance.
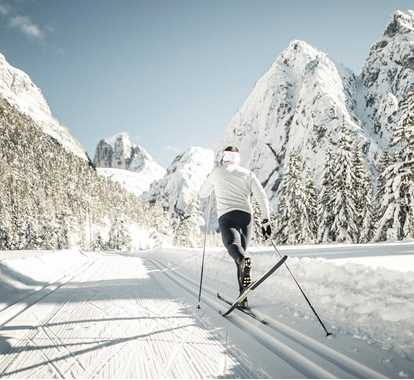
(303, 293)
(204, 251)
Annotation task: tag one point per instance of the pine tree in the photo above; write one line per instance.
(345, 216)
(289, 218)
(326, 199)
(363, 191)
(119, 238)
(309, 210)
(188, 232)
(397, 187)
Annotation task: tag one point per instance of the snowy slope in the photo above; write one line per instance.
(129, 164)
(136, 183)
(387, 75)
(300, 103)
(182, 182)
(19, 90)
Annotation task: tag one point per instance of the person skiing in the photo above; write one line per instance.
(233, 186)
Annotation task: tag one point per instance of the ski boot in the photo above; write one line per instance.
(244, 279)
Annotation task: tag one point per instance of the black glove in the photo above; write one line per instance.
(266, 229)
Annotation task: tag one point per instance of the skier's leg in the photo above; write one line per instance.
(235, 232)
(245, 234)
(231, 239)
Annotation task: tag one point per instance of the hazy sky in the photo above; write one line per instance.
(172, 73)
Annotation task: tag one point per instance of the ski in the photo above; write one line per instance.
(254, 285)
(246, 311)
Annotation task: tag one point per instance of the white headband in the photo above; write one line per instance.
(231, 157)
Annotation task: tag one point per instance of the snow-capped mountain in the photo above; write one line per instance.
(129, 164)
(180, 186)
(387, 75)
(301, 102)
(17, 89)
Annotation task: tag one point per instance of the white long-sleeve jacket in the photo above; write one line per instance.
(233, 186)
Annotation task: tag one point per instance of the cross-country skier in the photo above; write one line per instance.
(233, 186)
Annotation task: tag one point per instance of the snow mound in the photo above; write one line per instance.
(19, 90)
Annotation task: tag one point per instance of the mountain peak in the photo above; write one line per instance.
(300, 45)
(119, 152)
(18, 90)
(401, 23)
(121, 136)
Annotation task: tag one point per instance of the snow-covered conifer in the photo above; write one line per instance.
(345, 216)
(397, 180)
(326, 199)
(188, 232)
(363, 191)
(289, 218)
(119, 238)
(309, 209)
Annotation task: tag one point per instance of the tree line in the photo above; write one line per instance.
(351, 205)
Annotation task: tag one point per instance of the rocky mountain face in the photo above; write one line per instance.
(387, 76)
(128, 164)
(178, 189)
(18, 90)
(304, 99)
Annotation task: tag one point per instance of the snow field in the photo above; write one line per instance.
(133, 315)
(115, 320)
(369, 298)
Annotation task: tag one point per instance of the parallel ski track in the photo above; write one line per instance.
(33, 297)
(15, 310)
(40, 288)
(263, 334)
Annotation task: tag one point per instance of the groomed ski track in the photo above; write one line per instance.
(118, 316)
(311, 358)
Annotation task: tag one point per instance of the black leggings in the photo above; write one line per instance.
(235, 228)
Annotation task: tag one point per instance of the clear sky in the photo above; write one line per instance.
(172, 73)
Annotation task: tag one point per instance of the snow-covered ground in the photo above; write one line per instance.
(76, 314)
(136, 183)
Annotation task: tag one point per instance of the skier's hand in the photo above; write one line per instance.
(266, 229)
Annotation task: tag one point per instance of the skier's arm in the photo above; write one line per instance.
(207, 187)
(260, 195)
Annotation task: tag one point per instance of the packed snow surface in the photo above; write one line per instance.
(82, 314)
